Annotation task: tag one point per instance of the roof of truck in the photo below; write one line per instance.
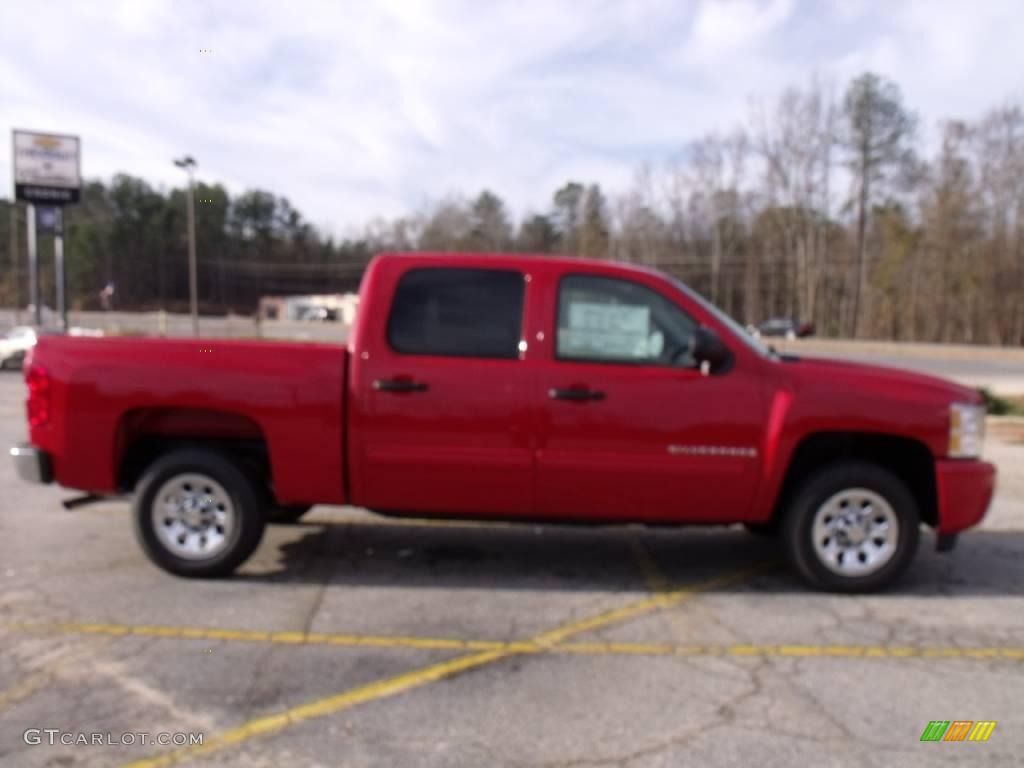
(483, 259)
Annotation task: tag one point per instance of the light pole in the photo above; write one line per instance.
(188, 163)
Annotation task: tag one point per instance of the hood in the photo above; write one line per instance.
(878, 380)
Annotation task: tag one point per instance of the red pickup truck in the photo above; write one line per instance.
(516, 388)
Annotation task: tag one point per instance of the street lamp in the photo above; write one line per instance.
(189, 164)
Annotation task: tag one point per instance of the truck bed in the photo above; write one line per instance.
(112, 396)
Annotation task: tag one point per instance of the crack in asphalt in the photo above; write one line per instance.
(315, 560)
(725, 715)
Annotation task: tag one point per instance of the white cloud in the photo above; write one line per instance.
(952, 59)
(727, 29)
(355, 109)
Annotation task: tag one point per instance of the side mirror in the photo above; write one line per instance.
(710, 352)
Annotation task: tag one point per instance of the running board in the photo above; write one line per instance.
(81, 501)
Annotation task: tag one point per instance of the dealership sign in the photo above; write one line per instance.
(47, 168)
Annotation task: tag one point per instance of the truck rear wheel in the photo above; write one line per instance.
(197, 514)
(853, 527)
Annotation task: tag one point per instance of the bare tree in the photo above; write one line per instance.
(999, 151)
(447, 227)
(566, 216)
(642, 234)
(952, 236)
(717, 167)
(537, 235)
(490, 228)
(876, 133)
(794, 144)
(595, 234)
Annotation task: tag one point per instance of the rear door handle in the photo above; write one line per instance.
(577, 395)
(399, 385)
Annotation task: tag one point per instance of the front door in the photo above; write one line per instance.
(632, 429)
(444, 406)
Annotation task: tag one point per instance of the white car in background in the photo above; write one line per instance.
(14, 344)
(19, 339)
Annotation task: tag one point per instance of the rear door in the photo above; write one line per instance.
(443, 399)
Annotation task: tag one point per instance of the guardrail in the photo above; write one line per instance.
(868, 347)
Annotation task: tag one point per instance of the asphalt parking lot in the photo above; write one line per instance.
(351, 640)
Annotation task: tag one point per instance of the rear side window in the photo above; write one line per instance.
(457, 313)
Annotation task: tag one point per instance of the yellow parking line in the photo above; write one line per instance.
(409, 680)
(616, 649)
(647, 605)
(320, 707)
(283, 638)
(545, 642)
(654, 578)
(658, 583)
(839, 651)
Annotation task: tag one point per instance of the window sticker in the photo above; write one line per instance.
(607, 331)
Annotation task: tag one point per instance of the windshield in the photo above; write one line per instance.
(741, 333)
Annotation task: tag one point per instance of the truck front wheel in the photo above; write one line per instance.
(852, 527)
(197, 514)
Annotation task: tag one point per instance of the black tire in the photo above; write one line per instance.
(247, 502)
(288, 514)
(799, 518)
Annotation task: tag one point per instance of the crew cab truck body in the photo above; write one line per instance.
(515, 388)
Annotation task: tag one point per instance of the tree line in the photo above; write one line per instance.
(824, 206)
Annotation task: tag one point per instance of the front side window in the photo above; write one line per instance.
(738, 331)
(603, 319)
(457, 313)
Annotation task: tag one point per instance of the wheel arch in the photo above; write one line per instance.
(143, 435)
(909, 459)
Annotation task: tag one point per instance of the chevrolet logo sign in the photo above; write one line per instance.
(46, 142)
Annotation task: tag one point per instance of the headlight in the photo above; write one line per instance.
(966, 430)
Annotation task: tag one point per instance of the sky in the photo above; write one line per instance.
(353, 110)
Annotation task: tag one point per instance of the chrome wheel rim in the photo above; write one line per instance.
(855, 532)
(193, 516)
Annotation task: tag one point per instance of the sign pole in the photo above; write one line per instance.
(14, 262)
(47, 171)
(58, 252)
(33, 264)
(193, 293)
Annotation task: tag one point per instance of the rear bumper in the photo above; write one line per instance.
(32, 464)
(965, 491)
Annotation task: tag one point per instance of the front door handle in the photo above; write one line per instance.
(575, 394)
(399, 385)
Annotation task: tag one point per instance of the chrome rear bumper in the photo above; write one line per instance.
(32, 464)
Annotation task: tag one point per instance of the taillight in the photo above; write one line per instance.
(38, 403)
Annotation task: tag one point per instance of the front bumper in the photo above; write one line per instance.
(32, 464)
(965, 490)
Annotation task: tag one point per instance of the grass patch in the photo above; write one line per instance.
(996, 405)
